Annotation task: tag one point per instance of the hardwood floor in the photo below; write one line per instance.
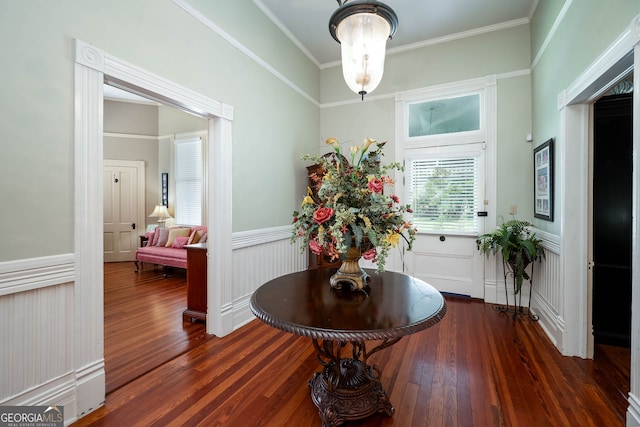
(477, 367)
(143, 321)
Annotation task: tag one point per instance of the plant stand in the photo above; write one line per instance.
(517, 308)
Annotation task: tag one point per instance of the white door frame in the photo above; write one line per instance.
(92, 67)
(618, 60)
(488, 87)
(573, 143)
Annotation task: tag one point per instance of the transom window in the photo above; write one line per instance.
(443, 116)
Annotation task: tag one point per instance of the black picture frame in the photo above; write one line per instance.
(165, 189)
(543, 176)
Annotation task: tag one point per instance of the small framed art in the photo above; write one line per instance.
(543, 176)
(165, 189)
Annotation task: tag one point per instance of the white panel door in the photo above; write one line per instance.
(445, 204)
(123, 209)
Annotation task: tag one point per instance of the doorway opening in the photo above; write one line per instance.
(141, 131)
(94, 67)
(611, 246)
(612, 209)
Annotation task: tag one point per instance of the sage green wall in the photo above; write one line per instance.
(496, 53)
(173, 121)
(482, 55)
(586, 30)
(514, 154)
(272, 121)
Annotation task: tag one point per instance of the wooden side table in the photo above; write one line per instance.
(196, 282)
(348, 387)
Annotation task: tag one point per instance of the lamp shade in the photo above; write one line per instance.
(362, 28)
(160, 211)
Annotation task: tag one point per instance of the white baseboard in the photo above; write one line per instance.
(242, 311)
(550, 321)
(57, 392)
(90, 387)
(633, 411)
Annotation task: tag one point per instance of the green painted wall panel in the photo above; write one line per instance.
(271, 119)
(585, 32)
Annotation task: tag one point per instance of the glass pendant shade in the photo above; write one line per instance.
(362, 27)
(363, 39)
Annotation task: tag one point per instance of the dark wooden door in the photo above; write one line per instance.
(612, 192)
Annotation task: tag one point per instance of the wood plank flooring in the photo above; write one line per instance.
(143, 320)
(477, 367)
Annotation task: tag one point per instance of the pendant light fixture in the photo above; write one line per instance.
(362, 28)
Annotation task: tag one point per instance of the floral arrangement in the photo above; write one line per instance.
(349, 208)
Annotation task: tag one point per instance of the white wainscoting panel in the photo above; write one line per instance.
(259, 256)
(36, 327)
(548, 290)
(548, 287)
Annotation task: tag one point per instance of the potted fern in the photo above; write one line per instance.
(518, 247)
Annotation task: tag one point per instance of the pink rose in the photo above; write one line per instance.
(370, 255)
(322, 215)
(315, 247)
(375, 185)
(395, 198)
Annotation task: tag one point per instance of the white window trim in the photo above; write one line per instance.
(486, 86)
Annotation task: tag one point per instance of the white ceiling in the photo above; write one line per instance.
(419, 21)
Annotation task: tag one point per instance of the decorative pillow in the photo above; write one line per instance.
(176, 232)
(149, 237)
(179, 242)
(156, 233)
(195, 237)
(203, 239)
(163, 236)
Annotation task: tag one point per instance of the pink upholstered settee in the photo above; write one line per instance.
(165, 246)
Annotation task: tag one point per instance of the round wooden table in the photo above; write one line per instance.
(340, 323)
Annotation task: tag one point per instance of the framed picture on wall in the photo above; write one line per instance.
(543, 181)
(165, 189)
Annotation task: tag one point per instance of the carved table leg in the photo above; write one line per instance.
(348, 388)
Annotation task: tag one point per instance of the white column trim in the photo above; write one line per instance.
(633, 412)
(88, 318)
(219, 221)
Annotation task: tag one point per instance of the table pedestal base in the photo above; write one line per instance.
(355, 394)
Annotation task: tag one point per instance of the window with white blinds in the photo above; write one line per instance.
(443, 193)
(188, 162)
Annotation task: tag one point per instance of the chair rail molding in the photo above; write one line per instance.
(34, 273)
